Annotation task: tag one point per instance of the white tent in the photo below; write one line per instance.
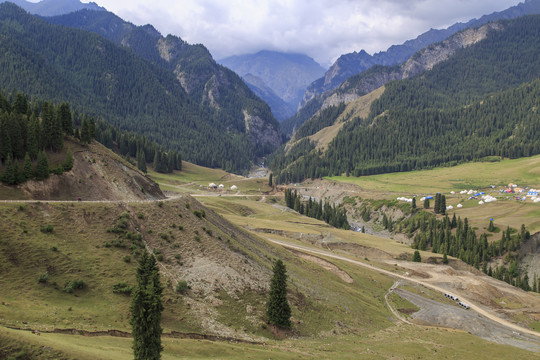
(460, 205)
(234, 187)
(221, 186)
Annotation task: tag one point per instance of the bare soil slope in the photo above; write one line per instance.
(97, 174)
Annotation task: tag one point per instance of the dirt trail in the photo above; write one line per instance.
(427, 284)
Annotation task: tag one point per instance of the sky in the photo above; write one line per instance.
(322, 29)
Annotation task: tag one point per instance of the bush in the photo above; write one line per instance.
(416, 256)
(47, 229)
(43, 278)
(122, 288)
(182, 287)
(127, 259)
(199, 213)
(54, 248)
(74, 285)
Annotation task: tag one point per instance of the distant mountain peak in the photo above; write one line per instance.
(286, 74)
(54, 7)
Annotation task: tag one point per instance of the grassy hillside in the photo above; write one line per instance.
(476, 176)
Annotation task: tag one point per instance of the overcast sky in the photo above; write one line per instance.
(322, 29)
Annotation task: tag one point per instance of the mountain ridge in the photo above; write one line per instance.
(353, 63)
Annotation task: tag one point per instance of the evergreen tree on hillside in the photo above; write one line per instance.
(278, 310)
(28, 172)
(416, 256)
(426, 203)
(85, 132)
(65, 118)
(42, 166)
(33, 143)
(146, 307)
(141, 160)
(9, 176)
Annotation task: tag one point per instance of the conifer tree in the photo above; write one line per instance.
(33, 143)
(65, 118)
(178, 161)
(445, 259)
(491, 227)
(146, 307)
(277, 307)
(9, 176)
(416, 256)
(85, 132)
(68, 162)
(141, 160)
(270, 180)
(426, 203)
(42, 166)
(28, 172)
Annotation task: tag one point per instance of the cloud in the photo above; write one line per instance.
(322, 29)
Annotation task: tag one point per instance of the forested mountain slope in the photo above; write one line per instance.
(354, 63)
(482, 101)
(101, 78)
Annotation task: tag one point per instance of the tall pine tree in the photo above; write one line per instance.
(146, 308)
(277, 307)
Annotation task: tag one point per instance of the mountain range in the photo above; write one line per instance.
(286, 75)
(473, 95)
(54, 7)
(140, 81)
(355, 63)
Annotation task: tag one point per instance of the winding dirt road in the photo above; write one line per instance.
(474, 307)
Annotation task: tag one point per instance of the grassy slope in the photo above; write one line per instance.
(193, 176)
(479, 175)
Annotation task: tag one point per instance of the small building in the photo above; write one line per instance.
(221, 186)
(532, 192)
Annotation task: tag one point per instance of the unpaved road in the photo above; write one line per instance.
(478, 309)
(453, 316)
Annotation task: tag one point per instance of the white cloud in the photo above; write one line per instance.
(322, 29)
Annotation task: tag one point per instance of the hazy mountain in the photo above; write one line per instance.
(471, 96)
(54, 7)
(211, 117)
(280, 108)
(356, 62)
(287, 75)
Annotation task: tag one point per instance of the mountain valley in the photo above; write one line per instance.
(398, 192)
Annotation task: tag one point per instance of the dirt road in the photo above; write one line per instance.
(473, 306)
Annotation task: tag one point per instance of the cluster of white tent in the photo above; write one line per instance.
(404, 199)
(221, 186)
(487, 199)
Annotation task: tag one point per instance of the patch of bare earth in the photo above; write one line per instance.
(343, 275)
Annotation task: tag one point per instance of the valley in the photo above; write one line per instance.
(156, 204)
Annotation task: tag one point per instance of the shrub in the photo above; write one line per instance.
(127, 259)
(159, 257)
(140, 216)
(74, 285)
(43, 278)
(182, 287)
(122, 288)
(54, 248)
(47, 229)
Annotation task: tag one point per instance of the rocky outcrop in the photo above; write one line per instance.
(261, 132)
